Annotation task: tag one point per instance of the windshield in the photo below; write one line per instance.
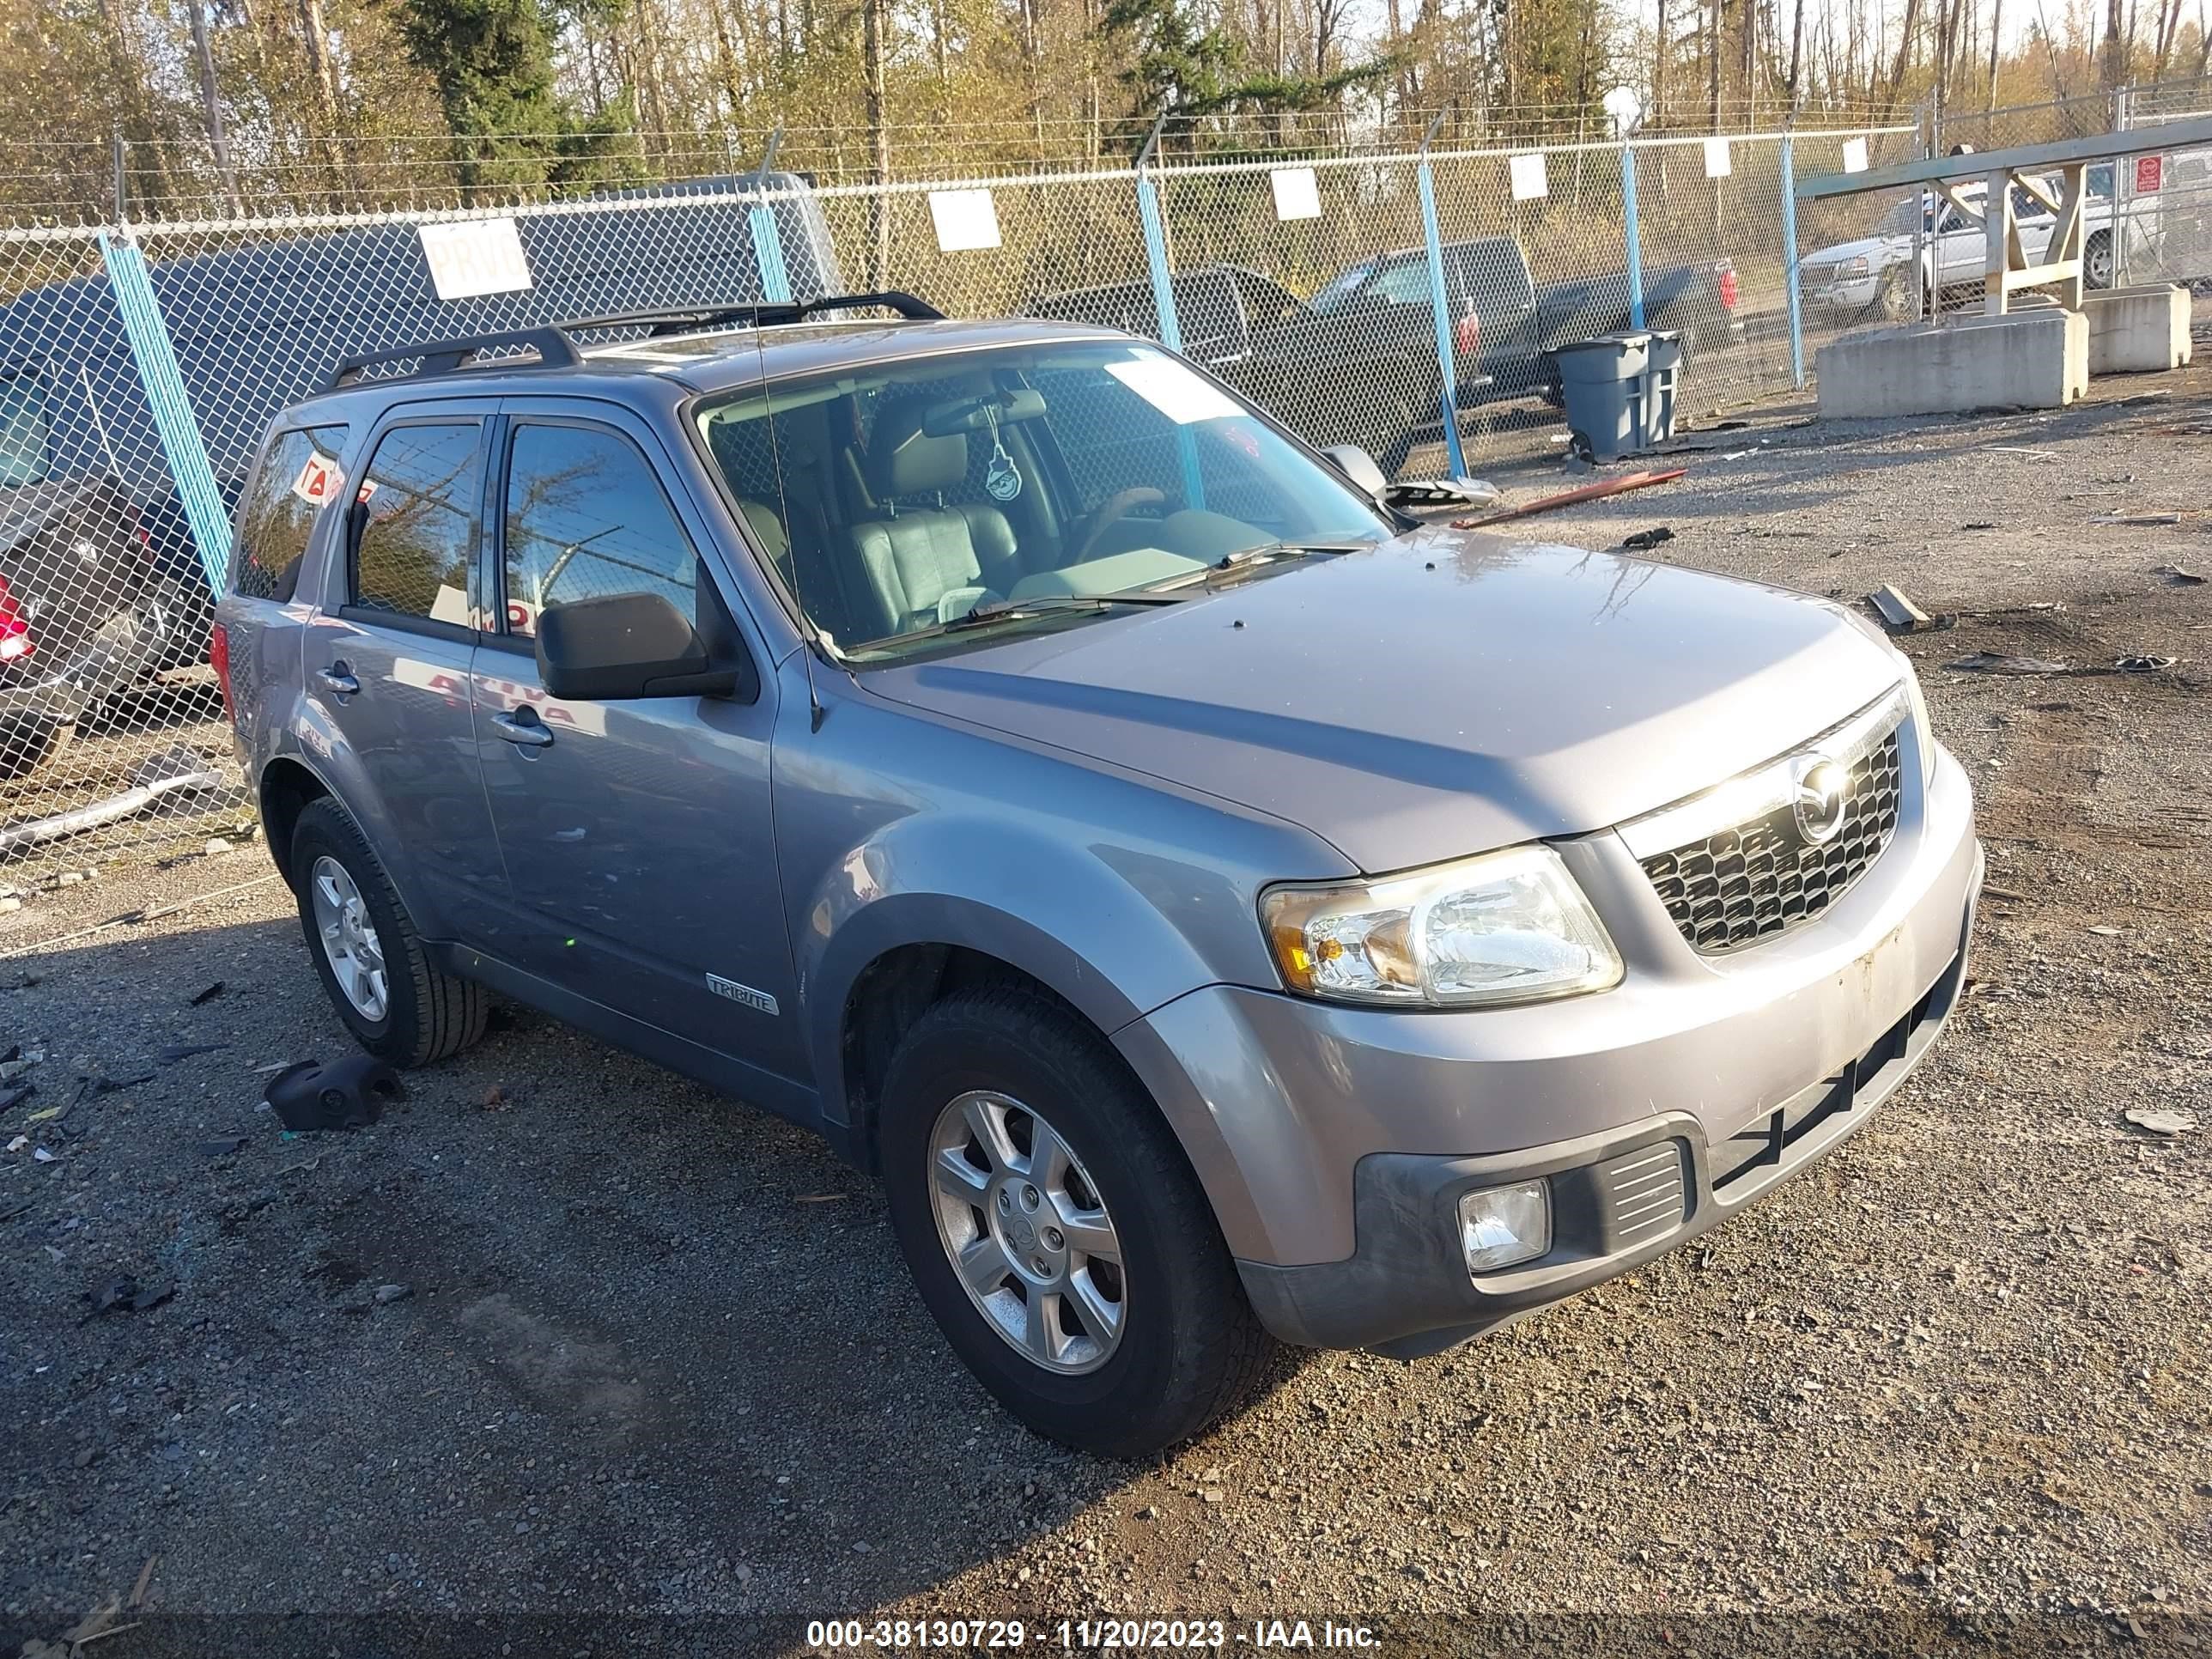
(940, 489)
(1904, 215)
(1340, 289)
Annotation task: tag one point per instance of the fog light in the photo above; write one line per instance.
(1499, 1227)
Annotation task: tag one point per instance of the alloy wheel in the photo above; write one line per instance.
(1027, 1233)
(350, 939)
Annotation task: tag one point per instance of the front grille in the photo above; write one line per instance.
(1756, 879)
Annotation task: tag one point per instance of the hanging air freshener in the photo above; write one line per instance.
(1002, 478)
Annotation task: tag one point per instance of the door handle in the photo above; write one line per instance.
(531, 734)
(339, 679)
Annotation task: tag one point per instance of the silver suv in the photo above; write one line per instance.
(1218, 908)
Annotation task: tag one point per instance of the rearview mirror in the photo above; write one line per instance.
(1357, 464)
(627, 645)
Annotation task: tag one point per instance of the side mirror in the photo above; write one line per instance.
(627, 645)
(1357, 464)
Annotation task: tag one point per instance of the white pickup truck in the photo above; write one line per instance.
(1874, 273)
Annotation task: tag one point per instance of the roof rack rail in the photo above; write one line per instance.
(767, 313)
(553, 348)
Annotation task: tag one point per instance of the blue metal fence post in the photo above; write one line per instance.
(1164, 301)
(767, 241)
(1790, 276)
(1629, 229)
(1438, 306)
(164, 382)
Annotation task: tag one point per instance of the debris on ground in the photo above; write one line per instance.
(1996, 662)
(1445, 492)
(1900, 616)
(123, 1294)
(173, 771)
(388, 1294)
(347, 1094)
(2179, 575)
(1644, 540)
(2146, 519)
(223, 1145)
(200, 999)
(177, 1051)
(15, 1094)
(2143, 665)
(1588, 492)
(1980, 523)
(2160, 1123)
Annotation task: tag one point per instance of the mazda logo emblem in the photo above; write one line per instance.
(1818, 789)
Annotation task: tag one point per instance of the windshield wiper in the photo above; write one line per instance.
(1014, 610)
(1230, 566)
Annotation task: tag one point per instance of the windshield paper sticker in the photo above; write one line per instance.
(1176, 390)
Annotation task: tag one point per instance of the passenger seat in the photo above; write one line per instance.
(913, 558)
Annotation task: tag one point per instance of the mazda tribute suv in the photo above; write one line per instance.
(1219, 908)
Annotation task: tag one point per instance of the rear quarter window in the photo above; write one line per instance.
(299, 475)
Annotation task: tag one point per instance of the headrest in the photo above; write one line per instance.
(904, 460)
(762, 519)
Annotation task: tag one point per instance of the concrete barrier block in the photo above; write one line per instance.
(2137, 331)
(2032, 359)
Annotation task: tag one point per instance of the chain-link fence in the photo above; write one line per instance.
(2165, 200)
(1405, 300)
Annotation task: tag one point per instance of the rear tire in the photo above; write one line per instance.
(399, 1006)
(1177, 1344)
(29, 742)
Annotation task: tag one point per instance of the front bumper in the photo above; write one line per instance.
(1334, 1141)
(1618, 1198)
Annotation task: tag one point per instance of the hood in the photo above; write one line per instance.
(1444, 694)
(1872, 249)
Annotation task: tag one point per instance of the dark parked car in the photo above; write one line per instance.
(1505, 326)
(86, 611)
(1358, 378)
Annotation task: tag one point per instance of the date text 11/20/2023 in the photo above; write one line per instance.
(1085, 1635)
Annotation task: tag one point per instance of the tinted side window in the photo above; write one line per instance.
(299, 474)
(26, 434)
(587, 519)
(420, 489)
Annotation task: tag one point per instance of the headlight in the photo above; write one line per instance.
(1854, 267)
(1924, 734)
(1509, 926)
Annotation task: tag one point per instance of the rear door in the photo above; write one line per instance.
(639, 844)
(387, 659)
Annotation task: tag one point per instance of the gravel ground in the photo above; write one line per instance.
(567, 1339)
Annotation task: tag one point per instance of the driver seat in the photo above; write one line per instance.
(913, 559)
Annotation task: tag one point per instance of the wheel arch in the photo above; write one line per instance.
(287, 786)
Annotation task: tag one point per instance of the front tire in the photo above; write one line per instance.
(399, 1006)
(2098, 269)
(1055, 1231)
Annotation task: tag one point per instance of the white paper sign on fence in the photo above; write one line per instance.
(965, 220)
(1717, 165)
(1529, 183)
(1298, 193)
(1855, 155)
(474, 256)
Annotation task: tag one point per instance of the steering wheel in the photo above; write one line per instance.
(1111, 511)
